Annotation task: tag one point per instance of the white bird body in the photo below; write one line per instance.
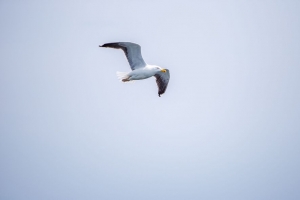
(140, 70)
(143, 73)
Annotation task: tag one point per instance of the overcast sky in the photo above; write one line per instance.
(227, 128)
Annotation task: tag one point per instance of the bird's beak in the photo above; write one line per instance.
(163, 70)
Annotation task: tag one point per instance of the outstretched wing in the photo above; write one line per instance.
(162, 80)
(132, 52)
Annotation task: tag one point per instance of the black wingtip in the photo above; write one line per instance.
(104, 45)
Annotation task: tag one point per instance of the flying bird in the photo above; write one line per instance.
(140, 70)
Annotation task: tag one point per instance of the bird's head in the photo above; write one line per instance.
(159, 69)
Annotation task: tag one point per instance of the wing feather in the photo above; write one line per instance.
(162, 80)
(132, 52)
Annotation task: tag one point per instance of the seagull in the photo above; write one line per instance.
(140, 70)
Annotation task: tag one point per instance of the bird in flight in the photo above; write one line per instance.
(140, 70)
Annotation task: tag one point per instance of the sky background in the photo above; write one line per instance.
(228, 126)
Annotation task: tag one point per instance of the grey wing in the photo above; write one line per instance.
(162, 80)
(132, 52)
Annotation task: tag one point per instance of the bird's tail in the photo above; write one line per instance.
(123, 76)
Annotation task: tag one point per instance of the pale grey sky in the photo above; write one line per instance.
(226, 128)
